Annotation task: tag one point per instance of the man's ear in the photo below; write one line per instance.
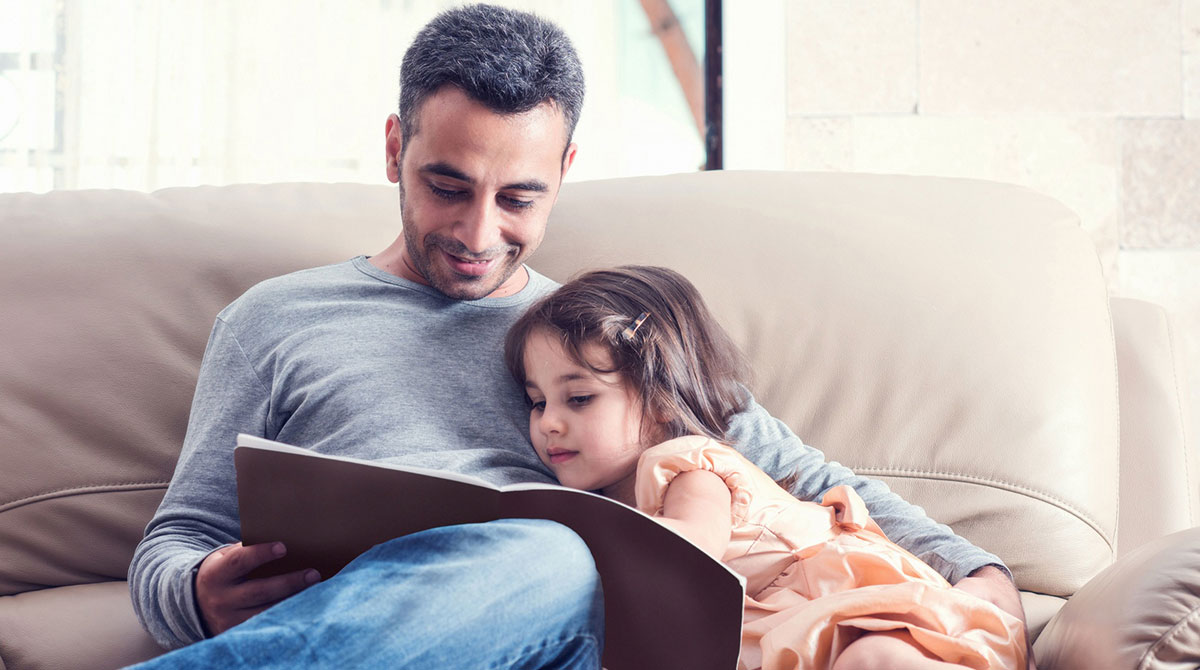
(568, 159)
(393, 146)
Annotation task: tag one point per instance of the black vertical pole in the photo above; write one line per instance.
(712, 86)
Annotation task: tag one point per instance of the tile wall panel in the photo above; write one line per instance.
(1076, 57)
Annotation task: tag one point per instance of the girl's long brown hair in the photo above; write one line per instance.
(685, 367)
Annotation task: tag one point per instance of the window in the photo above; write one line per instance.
(144, 95)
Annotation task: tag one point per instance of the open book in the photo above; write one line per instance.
(667, 603)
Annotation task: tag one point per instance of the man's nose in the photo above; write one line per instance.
(479, 227)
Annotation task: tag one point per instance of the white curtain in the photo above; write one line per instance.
(144, 94)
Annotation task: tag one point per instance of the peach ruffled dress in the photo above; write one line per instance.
(819, 575)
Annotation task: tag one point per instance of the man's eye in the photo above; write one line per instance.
(516, 203)
(579, 399)
(445, 194)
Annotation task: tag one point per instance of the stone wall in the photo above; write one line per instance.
(1095, 102)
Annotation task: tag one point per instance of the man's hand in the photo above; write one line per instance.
(994, 586)
(224, 595)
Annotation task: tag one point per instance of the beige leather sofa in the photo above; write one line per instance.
(952, 337)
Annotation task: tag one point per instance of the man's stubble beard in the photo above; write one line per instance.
(420, 264)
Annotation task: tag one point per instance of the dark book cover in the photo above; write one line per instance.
(668, 604)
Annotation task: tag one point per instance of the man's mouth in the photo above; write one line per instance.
(469, 266)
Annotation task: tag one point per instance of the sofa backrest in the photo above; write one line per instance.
(107, 300)
(949, 336)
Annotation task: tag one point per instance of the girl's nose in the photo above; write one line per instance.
(551, 422)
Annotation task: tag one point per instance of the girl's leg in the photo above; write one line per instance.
(501, 595)
(892, 650)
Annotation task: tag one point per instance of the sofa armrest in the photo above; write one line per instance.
(1142, 612)
(1160, 472)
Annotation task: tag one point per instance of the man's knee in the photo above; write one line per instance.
(546, 542)
(522, 555)
(537, 547)
(541, 582)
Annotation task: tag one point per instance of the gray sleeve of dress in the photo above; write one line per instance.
(771, 445)
(199, 512)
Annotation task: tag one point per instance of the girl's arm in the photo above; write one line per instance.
(697, 505)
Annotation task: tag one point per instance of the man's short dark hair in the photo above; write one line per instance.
(508, 60)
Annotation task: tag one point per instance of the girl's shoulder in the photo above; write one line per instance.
(660, 464)
(691, 452)
(688, 444)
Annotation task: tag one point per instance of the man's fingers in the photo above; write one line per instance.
(226, 597)
(234, 562)
(261, 593)
(224, 604)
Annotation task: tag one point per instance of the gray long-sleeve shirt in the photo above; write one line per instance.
(347, 359)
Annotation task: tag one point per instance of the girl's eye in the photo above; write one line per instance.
(537, 406)
(445, 194)
(579, 399)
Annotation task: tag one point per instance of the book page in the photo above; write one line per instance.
(244, 440)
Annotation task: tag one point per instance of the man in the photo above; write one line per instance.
(397, 357)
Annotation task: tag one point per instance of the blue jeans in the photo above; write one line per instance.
(514, 593)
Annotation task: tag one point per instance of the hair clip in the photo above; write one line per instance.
(632, 329)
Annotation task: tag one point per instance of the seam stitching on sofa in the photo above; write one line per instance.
(72, 490)
(995, 483)
(1179, 626)
(1187, 462)
(1114, 543)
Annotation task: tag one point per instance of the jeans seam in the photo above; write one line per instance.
(526, 653)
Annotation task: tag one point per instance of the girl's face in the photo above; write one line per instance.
(586, 426)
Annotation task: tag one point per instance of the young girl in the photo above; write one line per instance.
(632, 384)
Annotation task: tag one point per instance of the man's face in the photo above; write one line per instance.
(476, 189)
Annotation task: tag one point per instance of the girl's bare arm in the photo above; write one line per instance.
(697, 506)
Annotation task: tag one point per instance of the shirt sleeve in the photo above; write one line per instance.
(772, 446)
(198, 514)
(659, 465)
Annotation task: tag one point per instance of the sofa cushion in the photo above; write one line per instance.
(1143, 612)
(86, 626)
